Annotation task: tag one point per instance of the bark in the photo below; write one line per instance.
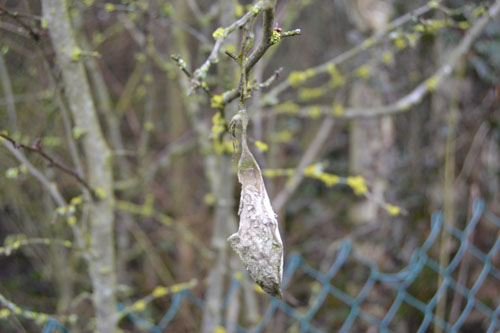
(445, 99)
(9, 95)
(224, 224)
(218, 169)
(98, 163)
(369, 152)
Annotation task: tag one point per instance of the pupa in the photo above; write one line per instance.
(258, 241)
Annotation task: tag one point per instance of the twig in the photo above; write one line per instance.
(156, 15)
(157, 262)
(266, 41)
(309, 156)
(430, 84)
(195, 33)
(20, 98)
(35, 35)
(37, 148)
(197, 80)
(401, 105)
(158, 292)
(230, 55)
(268, 82)
(54, 192)
(14, 309)
(182, 65)
(181, 145)
(195, 9)
(472, 155)
(231, 95)
(351, 53)
(184, 232)
(290, 33)
(200, 73)
(357, 183)
(8, 249)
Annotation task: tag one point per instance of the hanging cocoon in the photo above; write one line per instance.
(258, 241)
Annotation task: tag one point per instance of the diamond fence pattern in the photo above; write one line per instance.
(399, 285)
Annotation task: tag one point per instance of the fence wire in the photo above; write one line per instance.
(399, 285)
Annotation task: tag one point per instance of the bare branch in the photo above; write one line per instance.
(200, 73)
(266, 42)
(268, 82)
(435, 80)
(182, 65)
(430, 84)
(351, 53)
(54, 192)
(231, 95)
(51, 188)
(290, 33)
(37, 149)
(35, 35)
(309, 156)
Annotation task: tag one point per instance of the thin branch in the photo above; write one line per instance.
(37, 148)
(351, 53)
(430, 84)
(200, 73)
(195, 9)
(54, 192)
(181, 229)
(232, 56)
(13, 28)
(22, 98)
(231, 95)
(35, 35)
(401, 105)
(473, 154)
(195, 33)
(4, 11)
(266, 41)
(181, 145)
(268, 82)
(246, 46)
(309, 156)
(197, 79)
(356, 183)
(182, 65)
(290, 33)
(158, 292)
(13, 308)
(435, 80)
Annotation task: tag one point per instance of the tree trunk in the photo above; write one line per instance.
(98, 162)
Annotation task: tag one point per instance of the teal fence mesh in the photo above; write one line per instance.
(400, 285)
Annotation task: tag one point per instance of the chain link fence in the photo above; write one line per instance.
(467, 303)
